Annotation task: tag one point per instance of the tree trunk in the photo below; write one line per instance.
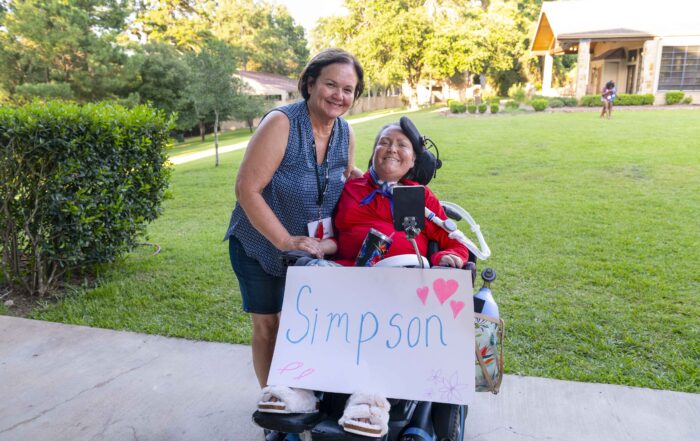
(202, 130)
(216, 137)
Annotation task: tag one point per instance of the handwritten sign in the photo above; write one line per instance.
(400, 332)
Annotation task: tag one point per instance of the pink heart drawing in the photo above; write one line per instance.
(422, 294)
(444, 289)
(456, 307)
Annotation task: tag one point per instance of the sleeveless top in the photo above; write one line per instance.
(293, 190)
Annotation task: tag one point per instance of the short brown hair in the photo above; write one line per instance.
(325, 58)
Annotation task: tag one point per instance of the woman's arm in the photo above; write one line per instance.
(263, 156)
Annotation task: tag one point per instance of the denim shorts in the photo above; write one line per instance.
(261, 292)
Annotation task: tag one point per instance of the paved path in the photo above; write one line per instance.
(188, 157)
(73, 383)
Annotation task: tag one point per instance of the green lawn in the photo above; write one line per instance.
(195, 143)
(593, 226)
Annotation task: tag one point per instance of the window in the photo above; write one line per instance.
(680, 68)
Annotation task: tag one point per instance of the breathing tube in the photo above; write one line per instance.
(453, 233)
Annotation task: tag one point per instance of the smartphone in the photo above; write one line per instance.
(409, 201)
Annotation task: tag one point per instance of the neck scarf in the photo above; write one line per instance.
(384, 188)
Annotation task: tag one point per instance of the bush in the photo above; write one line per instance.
(471, 108)
(457, 107)
(634, 100)
(512, 105)
(517, 93)
(687, 100)
(494, 107)
(569, 101)
(539, 104)
(591, 101)
(674, 97)
(482, 108)
(556, 102)
(77, 186)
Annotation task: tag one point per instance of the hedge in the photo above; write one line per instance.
(482, 108)
(78, 185)
(674, 97)
(620, 100)
(457, 107)
(539, 104)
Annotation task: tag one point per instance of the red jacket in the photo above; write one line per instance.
(352, 223)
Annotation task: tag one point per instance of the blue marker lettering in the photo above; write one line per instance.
(398, 328)
(427, 328)
(332, 316)
(359, 338)
(289, 339)
(408, 333)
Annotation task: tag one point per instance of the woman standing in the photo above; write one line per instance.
(287, 186)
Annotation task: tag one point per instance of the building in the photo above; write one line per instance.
(277, 89)
(646, 47)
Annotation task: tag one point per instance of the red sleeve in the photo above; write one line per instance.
(434, 232)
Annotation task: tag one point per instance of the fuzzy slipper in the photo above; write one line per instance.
(289, 400)
(366, 414)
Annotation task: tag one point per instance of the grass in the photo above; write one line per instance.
(592, 225)
(195, 144)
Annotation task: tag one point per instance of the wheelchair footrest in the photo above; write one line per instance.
(287, 422)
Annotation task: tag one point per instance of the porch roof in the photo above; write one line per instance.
(563, 23)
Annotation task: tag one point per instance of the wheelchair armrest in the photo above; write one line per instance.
(295, 258)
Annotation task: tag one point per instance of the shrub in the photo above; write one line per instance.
(457, 107)
(494, 107)
(539, 104)
(471, 108)
(517, 93)
(556, 102)
(634, 100)
(687, 100)
(590, 101)
(512, 105)
(77, 186)
(569, 101)
(482, 108)
(674, 97)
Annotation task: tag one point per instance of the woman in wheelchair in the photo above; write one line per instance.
(399, 158)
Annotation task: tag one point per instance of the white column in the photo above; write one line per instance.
(649, 56)
(583, 65)
(547, 76)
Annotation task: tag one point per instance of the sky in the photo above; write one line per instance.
(306, 12)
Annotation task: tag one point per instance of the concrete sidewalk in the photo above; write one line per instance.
(61, 382)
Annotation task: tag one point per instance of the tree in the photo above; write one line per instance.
(266, 35)
(73, 42)
(388, 56)
(247, 108)
(213, 88)
(181, 23)
(163, 77)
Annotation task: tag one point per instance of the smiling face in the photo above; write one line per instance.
(393, 155)
(332, 93)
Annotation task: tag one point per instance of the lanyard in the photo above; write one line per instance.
(322, 188)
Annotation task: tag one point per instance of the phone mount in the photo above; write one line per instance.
(426, 164)
(409, 212)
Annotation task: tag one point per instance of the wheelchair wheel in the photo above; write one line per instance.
(448, 421)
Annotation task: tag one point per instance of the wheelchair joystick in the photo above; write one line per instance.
(483, 299)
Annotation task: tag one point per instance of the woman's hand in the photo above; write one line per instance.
(304, 243)
(451, 260)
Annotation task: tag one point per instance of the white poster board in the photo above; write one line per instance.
(400, 332)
